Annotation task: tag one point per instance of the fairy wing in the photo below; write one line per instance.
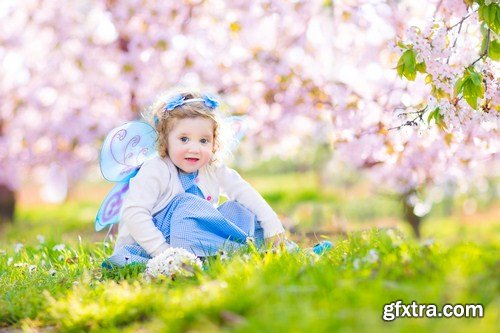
(125, 149)
(110, 210)
(238, 126)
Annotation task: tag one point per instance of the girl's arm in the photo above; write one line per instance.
(239, 190)
(144, 191)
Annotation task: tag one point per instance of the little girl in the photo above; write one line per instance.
(172, 199)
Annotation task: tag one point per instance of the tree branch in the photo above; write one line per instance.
(461, 21)
(458, 34)
(413, 122)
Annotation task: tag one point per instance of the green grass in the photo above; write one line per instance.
(344, 289)
(45, 285)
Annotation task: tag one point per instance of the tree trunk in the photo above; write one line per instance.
(410, 216)
(7, 203)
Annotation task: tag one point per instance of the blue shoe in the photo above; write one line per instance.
(322, 247)
(106, 265)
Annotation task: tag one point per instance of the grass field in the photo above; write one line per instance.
(51, 280)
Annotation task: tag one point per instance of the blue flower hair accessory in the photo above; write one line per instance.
(180, 100)
(174, 102)
(210, 101)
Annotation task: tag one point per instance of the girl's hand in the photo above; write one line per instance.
(276, 240)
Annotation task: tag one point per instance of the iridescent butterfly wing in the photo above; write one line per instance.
(123, 152)
(238, 126)
(110, 210)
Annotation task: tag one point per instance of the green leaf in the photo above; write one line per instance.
(471, 86)
(400, 67)
(477, 80)
(469, 93)
(494, 50)
(440, 121)
(411, 75)
(432, 115)
(401, 45)
(421, 67)
(483, 12)
(480, 91)
(475, 76)
(407, 65)
(490, 14)
(459, 85)
(411, 60)
(439, 93)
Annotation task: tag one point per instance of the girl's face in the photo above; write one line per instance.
(190, 143)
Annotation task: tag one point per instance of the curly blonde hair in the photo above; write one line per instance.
(164, 120)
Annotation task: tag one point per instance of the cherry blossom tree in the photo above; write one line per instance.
(442, 128)
(60, 89)
(100, 62)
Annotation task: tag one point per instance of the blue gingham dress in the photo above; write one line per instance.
(189, 221)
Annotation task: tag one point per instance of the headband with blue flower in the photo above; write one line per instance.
(180, 100)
